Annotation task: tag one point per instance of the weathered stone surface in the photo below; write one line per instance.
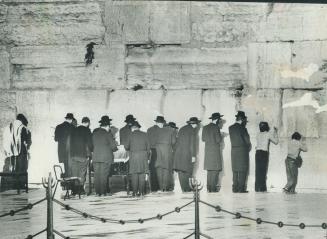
(4, 69)
(262, 105)
(90, 103)
(55, 24)
(231, 24)
(294, 23)
(180, 105)
(266, 61)
(145, 105)
(141, 22)
(170, 22)
(180, 68)
(63, 67)
(301, 115)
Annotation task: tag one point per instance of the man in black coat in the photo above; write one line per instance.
(62, 134)
(212, 138)
(153, 133)
(241, 146)
(186, 152)
(81, 148)
(139, 147)
(125, 132)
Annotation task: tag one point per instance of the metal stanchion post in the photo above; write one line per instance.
(49, 184)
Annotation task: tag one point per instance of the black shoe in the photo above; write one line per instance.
(244, 191)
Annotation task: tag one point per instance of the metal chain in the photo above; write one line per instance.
(103, 219)
(260, 221)
(28, 206)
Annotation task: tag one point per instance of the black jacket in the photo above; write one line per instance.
(81, 142)
(62, 134)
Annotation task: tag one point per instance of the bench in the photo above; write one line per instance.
(17, 176)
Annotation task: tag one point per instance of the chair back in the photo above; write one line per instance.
(58, 172)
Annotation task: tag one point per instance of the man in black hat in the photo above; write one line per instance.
(165, 142)
(139, 147)
(152, 133)
(241, 146)
(171, 183)
(125, 132)
(212, 138)
(103, 147)
(81, 147)
(62, 134)
(186, 152)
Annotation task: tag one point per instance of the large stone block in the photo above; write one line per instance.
(140, 22)
(231, 24)
(294, 23)
(180, 105)
(299, 113)
(63, 67)
(53, 24)
(4, 69)
(145, 105)
(180, 68)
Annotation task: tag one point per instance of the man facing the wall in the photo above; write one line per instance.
(62, 134)
(81, 147)
(241, 146)
(212, 138)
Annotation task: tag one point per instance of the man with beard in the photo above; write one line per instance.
(62, 134)
(212, 138)
(241, 146)
(186, 152)
(81, 147)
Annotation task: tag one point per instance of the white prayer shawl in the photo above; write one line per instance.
(12, 144)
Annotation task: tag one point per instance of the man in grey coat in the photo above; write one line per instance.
(241, 146)
(186, 152)
(212, 138)
(139, 147)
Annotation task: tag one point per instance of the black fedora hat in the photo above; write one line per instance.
(173, 125)
(240, 115)
(85, 120)
(160, 119)
(216, 115)
(129, 118)
(136, 124)
(69, 116)
(105, 120)
(193, 120)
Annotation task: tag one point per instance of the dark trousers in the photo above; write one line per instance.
(79, 168)
(239, 181)
(163, 178)
(138, 183)
(153, 171)
(212, 181)
(101, 174)
(184, 180)
(261, 168)
(292, 174)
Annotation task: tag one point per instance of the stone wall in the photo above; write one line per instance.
(186, 58)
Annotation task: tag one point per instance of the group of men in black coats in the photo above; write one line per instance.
(154, 155)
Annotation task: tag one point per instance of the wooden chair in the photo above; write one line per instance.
(67, 183)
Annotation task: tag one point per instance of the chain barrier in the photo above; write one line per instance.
(110, 220)
(260, 221)
(36, 234)
(27, 207)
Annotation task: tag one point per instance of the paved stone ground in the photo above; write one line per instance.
(308, 207)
